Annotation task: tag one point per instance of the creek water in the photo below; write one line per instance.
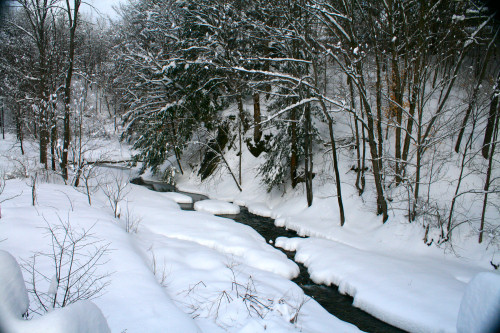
(329, 297)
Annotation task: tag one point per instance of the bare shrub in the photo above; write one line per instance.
(131, 221)
(89, 174)
(115, 188)
(162, 275)
(204, 302)
(76, 256)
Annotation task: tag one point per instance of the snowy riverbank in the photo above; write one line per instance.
(387, 268)
(181, 271)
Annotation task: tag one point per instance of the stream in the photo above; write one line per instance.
(329, 297)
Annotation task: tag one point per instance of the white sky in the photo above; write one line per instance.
(103, 6)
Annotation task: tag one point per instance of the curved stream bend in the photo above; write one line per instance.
(329, 297)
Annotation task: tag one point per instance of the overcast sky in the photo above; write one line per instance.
(103, 6)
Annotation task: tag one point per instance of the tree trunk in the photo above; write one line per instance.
(491, 119)
(474, 98)
(43, 137)
(257, 130)
(396, 97)
(333, 147)
(378, 87)
(19, 127)
(490, 167)
(53, 141)
(418, 163)
(3, 120)
(240, 133)
(293, 158)
(53, 136)
(372, 143)
(73, 21)
(409, 125)
(177, 150)
(459, 183)
(308, 156)
(337, 173)
(363, 161)
(356, 137)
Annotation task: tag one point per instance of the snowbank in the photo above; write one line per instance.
(80, 317)
(217, 207)
(260, 209)
(227, 295)
(418, 295)
(480, 306)
(133, 301)
(14, 299)
(178, 197)
(224, 235)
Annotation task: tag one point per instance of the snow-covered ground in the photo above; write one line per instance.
(387, 268)
(196, 272)
(180, 272)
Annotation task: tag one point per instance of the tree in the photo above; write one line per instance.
(168, 83)
(41, 18)
(72, 15)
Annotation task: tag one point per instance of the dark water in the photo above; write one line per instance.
(328, 296)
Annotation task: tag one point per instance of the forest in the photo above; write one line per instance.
(404, 92)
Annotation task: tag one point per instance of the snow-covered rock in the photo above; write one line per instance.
(480, 306)
(217, 207)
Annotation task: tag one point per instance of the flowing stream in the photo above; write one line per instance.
(329, 297)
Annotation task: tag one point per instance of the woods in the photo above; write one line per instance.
(397, 96)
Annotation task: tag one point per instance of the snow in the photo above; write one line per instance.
(173, 274)
(13, 295)
(190, 271)
(133, 301)
(260, 209)
(480, 306)
(387, 268)
(220, 234)
(178, 197)
(80, 317)
(417, 295)
(217, 207)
